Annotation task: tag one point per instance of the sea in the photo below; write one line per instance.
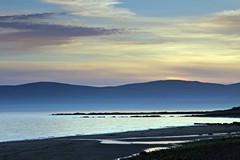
(16, 126)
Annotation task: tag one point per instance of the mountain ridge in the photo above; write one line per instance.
(156, 81)
(163, 94)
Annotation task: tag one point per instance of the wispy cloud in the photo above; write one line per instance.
(29, 31)
(229, 13)
(56, 46)
(28, 16)
(34, 29)
(94, 8)
(226, 22)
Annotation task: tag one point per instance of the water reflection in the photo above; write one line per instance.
(143, 142)
(149, 150)
(33, 125)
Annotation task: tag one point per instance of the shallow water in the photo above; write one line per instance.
(143, 142)
(155, 149)
(34, 125)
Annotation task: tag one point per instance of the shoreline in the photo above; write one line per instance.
(90, 147)
(230, 113)
(98, 134)
(121, 132)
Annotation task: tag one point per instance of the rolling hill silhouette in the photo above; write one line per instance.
(157, 95)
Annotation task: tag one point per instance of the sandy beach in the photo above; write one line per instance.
(108, 146)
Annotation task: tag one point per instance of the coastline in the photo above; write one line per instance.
(228, 113)
(107, 146)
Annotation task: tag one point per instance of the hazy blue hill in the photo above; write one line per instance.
(42, 90)
(161, 95)
(179, 88)
(234, 112)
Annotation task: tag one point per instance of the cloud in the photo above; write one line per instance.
(215, 31)
(45, 34)
(228, 19)
(226, 22)
(34, 29)
(229, 13)
(27, 16)
(95, 8)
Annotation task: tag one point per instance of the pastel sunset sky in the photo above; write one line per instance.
(112, 42)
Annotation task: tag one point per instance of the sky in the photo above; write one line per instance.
(114, 42)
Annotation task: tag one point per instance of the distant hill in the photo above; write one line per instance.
(234, 112)
(157, 95)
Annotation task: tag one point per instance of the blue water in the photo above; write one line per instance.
(35, 125)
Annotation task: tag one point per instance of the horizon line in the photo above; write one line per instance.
(125, 84)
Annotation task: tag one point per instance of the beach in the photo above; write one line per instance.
(109, 146)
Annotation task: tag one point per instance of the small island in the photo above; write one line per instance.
(128, 113)
(233, 112)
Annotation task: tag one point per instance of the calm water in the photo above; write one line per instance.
(20, 126)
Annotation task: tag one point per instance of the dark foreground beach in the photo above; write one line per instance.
(110, 146)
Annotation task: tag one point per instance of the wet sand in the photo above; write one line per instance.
(91, 148)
